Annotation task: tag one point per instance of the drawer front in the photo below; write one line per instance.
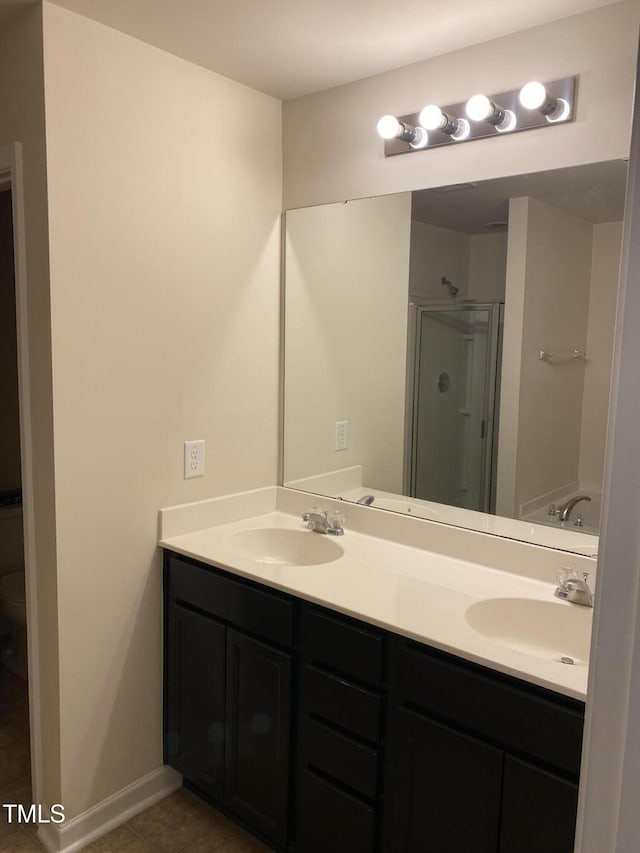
(354, 764)
(343, 645)
(329, 698)
(332, 821)
(257, 611)
(518, 716)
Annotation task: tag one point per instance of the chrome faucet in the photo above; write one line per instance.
(570, 588)
(366, 500)
(320, 521)
(564, 512)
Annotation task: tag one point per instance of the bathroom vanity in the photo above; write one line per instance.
(325, 705)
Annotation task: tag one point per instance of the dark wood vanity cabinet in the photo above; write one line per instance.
(228, 692)
(477, 761)
(323, 733)
(340, 734)
(194, 706)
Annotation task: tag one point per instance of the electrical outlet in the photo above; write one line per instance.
(342, 432)
(193, 459)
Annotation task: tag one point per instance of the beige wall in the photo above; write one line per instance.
(332, 152)
(474, 263)
(164, 234)
(22, 120)
(487, 266)
(347, 271)
(546, 305)
(438, 252)
(9, 424)
(603, 295)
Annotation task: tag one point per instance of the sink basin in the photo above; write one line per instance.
(542, 628)
(283, 547)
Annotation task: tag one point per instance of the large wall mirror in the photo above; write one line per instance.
(448, 351)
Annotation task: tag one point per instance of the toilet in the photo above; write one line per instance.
(13, 609)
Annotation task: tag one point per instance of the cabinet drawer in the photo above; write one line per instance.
(246, 606)
(330, 819)
(343, 645)
(352, 763)
(330, 698)
(521, 717)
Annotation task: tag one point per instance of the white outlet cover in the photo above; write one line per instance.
(194, 459)
(342, 435)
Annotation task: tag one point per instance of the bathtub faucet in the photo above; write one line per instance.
(564, 512)
(366, 500)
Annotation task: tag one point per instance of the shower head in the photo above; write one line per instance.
(452, 288)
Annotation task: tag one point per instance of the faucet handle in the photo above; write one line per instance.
(336, 519)
(313, 514)
(565, 574)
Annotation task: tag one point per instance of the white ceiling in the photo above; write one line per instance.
(595, 192)
(289, 48)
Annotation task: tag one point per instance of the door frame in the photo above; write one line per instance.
(12, 175)
(608, 816)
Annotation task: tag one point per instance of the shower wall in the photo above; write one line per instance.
(474, 263)
(548, 273)
(603, 295)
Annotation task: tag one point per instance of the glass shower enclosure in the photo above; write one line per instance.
(456, 352)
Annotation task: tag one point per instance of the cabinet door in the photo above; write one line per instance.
(445, 790)
(194, 698)
(538, 811)
(257, 757)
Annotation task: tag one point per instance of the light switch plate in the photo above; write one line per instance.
(194, 459)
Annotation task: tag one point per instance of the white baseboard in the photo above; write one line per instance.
(110, 813)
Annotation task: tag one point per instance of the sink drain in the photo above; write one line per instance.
(566, 659)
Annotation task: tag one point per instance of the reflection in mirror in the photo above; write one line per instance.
(448, 351)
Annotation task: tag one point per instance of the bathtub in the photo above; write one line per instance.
(589, 510)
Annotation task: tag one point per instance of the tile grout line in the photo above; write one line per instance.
(141, 837)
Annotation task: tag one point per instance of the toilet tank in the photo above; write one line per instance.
(11, 539)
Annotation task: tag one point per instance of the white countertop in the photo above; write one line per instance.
(411, 591)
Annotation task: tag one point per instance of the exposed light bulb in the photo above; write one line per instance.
(463, 131)
(508, 122)
(479, 108)
(421, 139)
(389, 127)
(561, 112)
(432, 118)
(533, 95)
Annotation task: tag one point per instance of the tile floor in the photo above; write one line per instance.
(181, 823)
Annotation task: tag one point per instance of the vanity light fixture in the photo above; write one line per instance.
(529, 107)
(534, 96)
(481, 108)
(433, 118)
(390, 127)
